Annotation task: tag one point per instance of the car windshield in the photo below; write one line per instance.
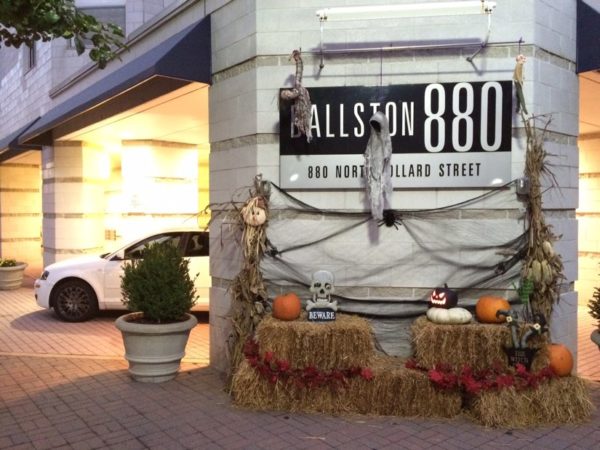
(137, 250)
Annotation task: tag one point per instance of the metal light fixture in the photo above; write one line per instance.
(425, 9)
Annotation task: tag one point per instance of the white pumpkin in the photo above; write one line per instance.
(449, 316)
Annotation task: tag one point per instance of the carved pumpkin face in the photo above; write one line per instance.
(443, 298)
(255, 212)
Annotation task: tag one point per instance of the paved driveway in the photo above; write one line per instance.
(27, 329)
(65, 386)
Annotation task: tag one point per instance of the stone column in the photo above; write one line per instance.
(74, 174)
(20, 212)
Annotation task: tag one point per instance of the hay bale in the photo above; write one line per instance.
(394, 390)
(398, 391)
(344, 343)
(476, 345)
(558, 401)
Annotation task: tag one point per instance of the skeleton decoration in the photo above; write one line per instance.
(518, 80)
(520, 353)
(302, 108)
(321, 308)
(254, 212)
(377, 165)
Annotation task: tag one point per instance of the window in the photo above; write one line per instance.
(136, 251)
(30, 57)
(197, 244)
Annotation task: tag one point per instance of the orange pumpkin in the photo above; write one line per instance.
(287, 307)
(561, 359)
(487, 306)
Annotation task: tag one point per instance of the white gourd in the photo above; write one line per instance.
(449, 316)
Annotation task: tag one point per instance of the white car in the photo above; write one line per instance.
(77, 288)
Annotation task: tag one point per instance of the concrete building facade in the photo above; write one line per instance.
(75, 180)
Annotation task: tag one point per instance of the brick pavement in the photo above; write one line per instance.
(27, 329)
(70, 394)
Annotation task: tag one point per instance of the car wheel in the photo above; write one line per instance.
(74, 301)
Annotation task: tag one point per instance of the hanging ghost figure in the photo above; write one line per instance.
(377, 165)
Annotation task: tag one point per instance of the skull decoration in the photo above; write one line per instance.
(443, 298)
(322, 288)
(254, 212)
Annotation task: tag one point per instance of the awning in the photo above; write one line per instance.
(10, 147)
(588, 35)
(183, 58)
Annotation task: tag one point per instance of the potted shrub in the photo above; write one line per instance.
(159, 290)
(11, 273)
(594, 309)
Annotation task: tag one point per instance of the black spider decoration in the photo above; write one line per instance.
(390, 219)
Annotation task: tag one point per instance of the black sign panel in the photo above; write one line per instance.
(424, 118)
(321, 315)
(443, 135)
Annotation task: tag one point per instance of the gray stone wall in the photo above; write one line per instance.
(251, 45)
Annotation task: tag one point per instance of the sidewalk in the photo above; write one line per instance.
(54, 397)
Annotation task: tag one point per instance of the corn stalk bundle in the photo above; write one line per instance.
(248, 291)
(543, 265)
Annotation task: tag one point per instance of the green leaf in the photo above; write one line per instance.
(79, 45)
(51, 17)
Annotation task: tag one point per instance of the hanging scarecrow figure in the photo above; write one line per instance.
(299, 95)
(377, 165)
(518, 80)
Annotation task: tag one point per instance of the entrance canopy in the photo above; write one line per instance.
(176, 62)
(9, 145)
(588, 35)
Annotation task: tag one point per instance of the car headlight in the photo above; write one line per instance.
(45, 274)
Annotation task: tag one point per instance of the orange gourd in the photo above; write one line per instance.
(487, 306)
(287, 307)
(561, 359)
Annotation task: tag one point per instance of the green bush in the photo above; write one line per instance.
(8, 262)
(594, 305)
(159, 285)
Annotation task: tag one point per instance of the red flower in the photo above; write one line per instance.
(437, 377)
(521, 370)
(471, 386)
(411, 364)
(251, 348)
(268, 357)
(337, 375)
(283, 365)
(273, 370)
(367, 373)
(505, 380)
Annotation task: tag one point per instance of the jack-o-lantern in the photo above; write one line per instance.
(254, 212)
(443, 298)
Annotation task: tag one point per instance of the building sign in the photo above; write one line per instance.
(443, 135)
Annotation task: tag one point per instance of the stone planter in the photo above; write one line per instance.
(12, 277)
(596, 337)
(154, 351)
